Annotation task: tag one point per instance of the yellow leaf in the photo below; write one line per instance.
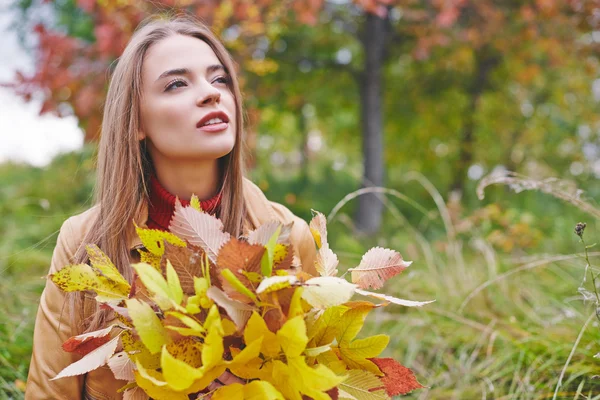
(252, 369)
(257, 328)
(266, 264)
(80, 277)
(212, 351)
(201, 298)
(234, 391)
(152, 239)
(213, 321)
(174, 284)
(188, 350)
(138, 352)
(151, 375)
(319, 378)
(229, 327)
(74, 278)
(259, 390)
(296, 304)
(283, 381)
(327, 291)
(149, 258)
(355, 354)
(331, 361)
(363, 385)
(101, 262)
(155, 391)
(292, 337)
(279, 253)
(237, 284)
(250, 352)
(154, 281)
(275, 283)
(178, 374)
(208, 377)
(195, 203)
(315, 351)
(325, 329)
(195, 328)
(351, 323)
(147, 325)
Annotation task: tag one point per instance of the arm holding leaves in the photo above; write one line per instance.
(52, 328)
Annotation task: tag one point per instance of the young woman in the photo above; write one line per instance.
(173, 126)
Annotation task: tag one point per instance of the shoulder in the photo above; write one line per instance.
(78, 225)
(261, 210)
(72, 232)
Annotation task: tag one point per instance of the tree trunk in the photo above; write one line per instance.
(370, 207)
(486, 60)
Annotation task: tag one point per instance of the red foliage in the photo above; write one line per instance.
(397, 378)
(86, 346)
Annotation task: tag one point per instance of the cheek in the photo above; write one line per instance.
(167, 114)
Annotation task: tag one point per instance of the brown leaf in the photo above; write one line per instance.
(187, 262)
(239, 257)
(397, 378)
(377, 266)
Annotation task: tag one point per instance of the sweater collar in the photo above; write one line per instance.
(258, 211)
(162, 205)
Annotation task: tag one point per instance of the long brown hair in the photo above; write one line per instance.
(124, 164)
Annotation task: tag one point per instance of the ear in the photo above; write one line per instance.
(141, 135)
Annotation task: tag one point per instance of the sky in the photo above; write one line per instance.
(25, 136)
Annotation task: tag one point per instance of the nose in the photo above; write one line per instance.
(208, 96)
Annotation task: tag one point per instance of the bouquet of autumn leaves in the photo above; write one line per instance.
(203, 302)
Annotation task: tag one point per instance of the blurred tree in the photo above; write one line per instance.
(475, 57)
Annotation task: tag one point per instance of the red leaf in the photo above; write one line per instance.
(88, 345)
(397, 378)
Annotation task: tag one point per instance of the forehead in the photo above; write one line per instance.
(177, 51)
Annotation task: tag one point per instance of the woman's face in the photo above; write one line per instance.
(183, 84)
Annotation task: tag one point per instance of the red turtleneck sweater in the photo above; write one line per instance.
(162, 205)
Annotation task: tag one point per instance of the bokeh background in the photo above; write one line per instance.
(425, 98)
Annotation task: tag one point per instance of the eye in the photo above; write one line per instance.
(175, 84)
(223, 79)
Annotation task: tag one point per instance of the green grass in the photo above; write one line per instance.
(511, 340)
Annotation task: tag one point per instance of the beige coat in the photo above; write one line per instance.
(53, 324)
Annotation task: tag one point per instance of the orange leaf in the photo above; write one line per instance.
(397, 378)
(240, 258)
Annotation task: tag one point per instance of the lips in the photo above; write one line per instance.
(209, 116)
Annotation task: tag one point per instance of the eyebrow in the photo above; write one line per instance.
(185, 71)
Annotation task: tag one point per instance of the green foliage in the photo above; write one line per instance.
(34, 202)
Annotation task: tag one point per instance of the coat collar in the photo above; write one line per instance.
(258, 211)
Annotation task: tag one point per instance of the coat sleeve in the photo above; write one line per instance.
(301, 238)
(53, 326)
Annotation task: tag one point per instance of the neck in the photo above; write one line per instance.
(183, 179)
